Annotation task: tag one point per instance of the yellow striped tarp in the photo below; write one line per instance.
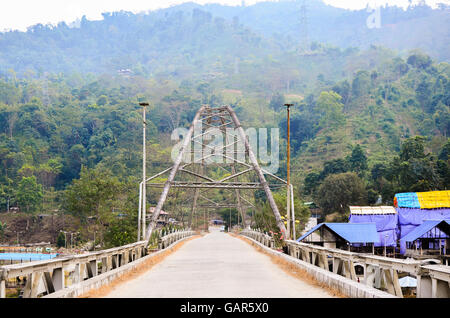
(434, 199)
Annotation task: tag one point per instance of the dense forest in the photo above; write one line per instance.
(370, 120)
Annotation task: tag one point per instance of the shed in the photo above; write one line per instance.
(431, 237)
(410, 218)
(342, 235)
(385, 219)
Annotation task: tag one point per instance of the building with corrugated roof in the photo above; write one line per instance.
(349, 236)
(432, 237)
(385, 219)
(410, 211)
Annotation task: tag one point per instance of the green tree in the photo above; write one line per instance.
(413, 170)
(339, 191)
(333, 167)
(361, 84)
(358, 160)
(120, 232)
(61, 240)
(93, 194)
(266, 220)
(3, 227)
(418, 60)
(413, 148)
(29, 193)
(329, 104)
(312, 181)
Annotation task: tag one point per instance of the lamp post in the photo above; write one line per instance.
(385, 238)
(144, 199)
(229, 228)
(288, 190)
(71, 238)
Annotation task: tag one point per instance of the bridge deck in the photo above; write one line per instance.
(216, 265)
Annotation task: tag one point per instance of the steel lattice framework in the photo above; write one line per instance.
(201, 162)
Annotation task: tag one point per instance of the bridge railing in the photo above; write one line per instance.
(380, 272)
(260, 237)
(48, 276)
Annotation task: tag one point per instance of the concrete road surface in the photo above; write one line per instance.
(216, 265)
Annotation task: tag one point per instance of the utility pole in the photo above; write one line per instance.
(144, 197)
(229, 229)
(288, 189)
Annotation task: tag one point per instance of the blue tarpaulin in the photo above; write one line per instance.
(26, 256)
(386, 226)
(352, 233)
(407, 200)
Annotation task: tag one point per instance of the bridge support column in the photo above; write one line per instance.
(313, 258)
(48, 283)
(423, 286)
(82, 272)
(31, 287)
(370, 275)
(2, 288)
(58, 278)
(104, 265)
(323, 261)
(77, 274)
(349, 268)
(114, 261)
(439, 288)
(430, 287)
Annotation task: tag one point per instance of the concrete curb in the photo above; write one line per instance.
(100, 280)
(342, 284)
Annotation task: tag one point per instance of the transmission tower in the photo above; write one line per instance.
(205, 178)
(304, 40)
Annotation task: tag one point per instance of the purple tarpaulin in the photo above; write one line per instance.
(409, 219)
(386, 225)
(392, 227)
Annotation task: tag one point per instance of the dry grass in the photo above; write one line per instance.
(139, 270)
(292, 270)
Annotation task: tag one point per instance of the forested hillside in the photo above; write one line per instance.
(71, 127)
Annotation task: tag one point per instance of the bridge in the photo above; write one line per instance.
(248, 263)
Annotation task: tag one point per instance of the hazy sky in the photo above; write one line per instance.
(19, 14)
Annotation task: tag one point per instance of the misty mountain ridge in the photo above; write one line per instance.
(190, 36)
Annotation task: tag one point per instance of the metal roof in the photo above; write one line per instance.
(351, 232)
(372, 210)
(427, 225)
(408, 281)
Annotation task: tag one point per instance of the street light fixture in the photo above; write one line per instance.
(385, 238)
(288, 190)
(143, 202)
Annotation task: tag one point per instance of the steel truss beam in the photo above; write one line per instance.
(220, 118)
